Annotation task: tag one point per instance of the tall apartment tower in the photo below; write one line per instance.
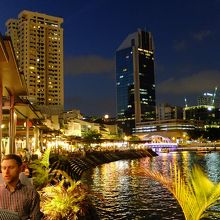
(38, 43)
(135, 80)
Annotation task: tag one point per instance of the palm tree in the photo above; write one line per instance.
(196, 195)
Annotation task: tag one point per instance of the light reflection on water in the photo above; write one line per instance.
(122, 193)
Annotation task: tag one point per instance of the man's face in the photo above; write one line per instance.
(10, 171)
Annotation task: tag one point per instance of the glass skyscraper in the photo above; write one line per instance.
(135, 80)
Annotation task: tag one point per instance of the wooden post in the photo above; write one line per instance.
(36, 136)
(12, 126)
(27, 135)
(1, 120)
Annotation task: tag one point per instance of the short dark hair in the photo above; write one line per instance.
(13, 157)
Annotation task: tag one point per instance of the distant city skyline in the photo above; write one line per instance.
(186, 37)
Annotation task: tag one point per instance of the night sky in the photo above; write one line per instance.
(186, 37)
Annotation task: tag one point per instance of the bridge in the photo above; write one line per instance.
(159, 143)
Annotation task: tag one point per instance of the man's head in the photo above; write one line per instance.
(11, 166)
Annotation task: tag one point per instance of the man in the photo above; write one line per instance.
(15, 196)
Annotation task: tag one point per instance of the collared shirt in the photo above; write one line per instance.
(25, 200)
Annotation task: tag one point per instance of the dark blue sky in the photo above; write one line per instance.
(186, 36)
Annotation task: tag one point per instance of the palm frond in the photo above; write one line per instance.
(41, 170)
(60, 201)
(45, 160)
(195, 195)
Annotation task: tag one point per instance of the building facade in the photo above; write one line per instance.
(206, 110)
(167, 112)
(38, 43)
(208, 114)
(209, 99)
(135, 80)
(173, 128)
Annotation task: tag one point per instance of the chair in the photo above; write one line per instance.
(8, 215)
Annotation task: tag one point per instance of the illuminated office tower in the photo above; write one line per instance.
(38, 43)
(135, 80)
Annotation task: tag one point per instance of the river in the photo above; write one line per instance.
(120, 191)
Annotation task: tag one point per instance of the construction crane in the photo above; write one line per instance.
(213, 100)
(185, 103)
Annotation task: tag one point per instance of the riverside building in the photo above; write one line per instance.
(206, 110)
(135, 80)
(38, 43)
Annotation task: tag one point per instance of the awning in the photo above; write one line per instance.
(12, 80)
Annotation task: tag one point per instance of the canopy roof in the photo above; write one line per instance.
(12, 80)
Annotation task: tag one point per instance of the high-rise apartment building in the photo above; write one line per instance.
(135, 80)
(38, 43)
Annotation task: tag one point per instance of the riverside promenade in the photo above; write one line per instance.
(212, 146)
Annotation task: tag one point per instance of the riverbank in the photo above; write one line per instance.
(76, 164)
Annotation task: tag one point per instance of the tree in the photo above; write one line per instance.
(91, 136)
(212, 134)
(195, 134)
(134, 138)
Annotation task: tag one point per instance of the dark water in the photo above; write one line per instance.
(120, 191)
